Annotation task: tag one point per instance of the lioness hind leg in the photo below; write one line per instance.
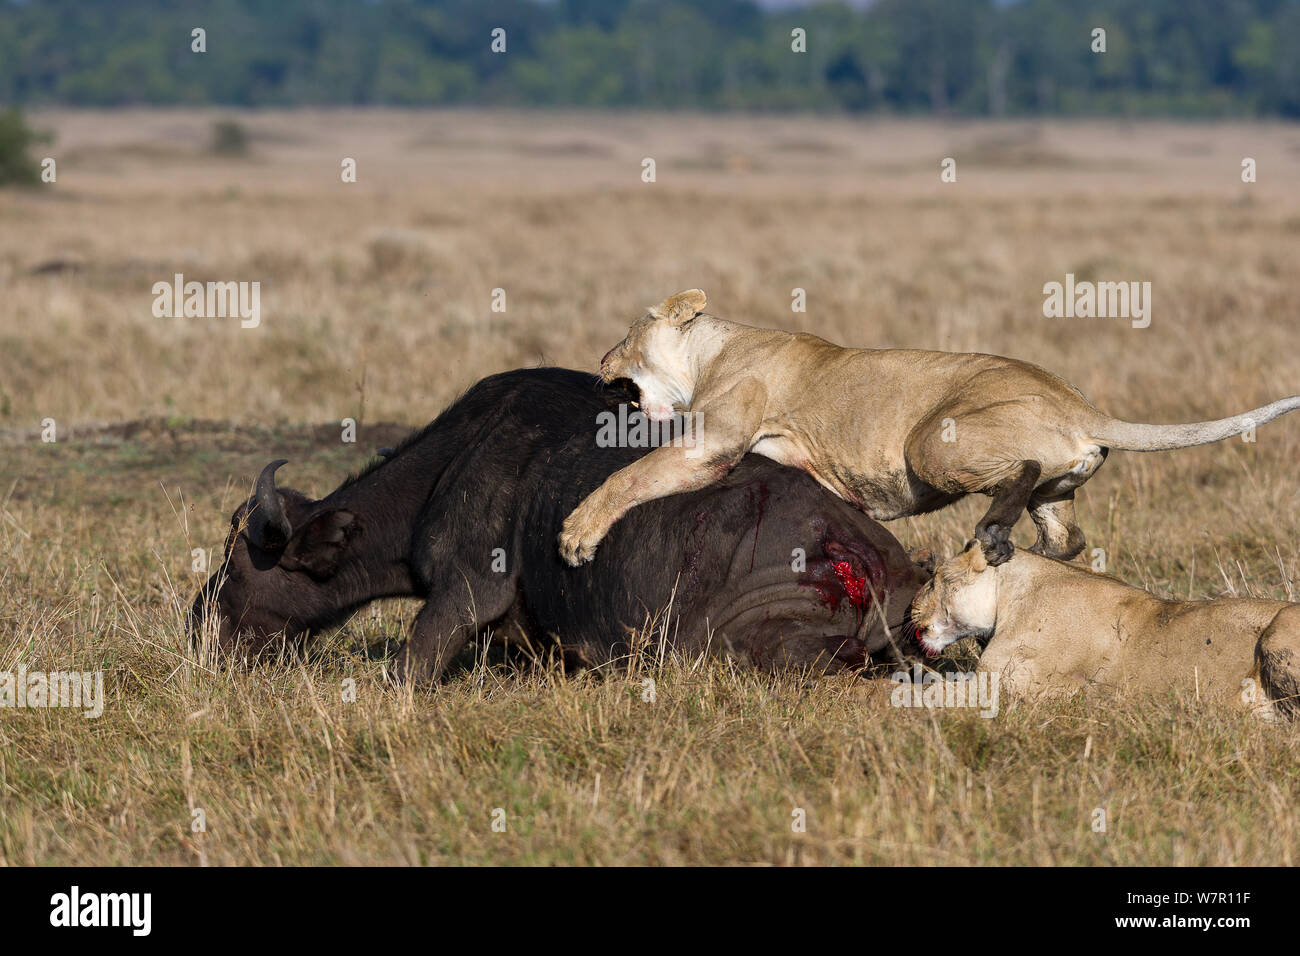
(1009, 500)
(1277, 656)
(1059, 534)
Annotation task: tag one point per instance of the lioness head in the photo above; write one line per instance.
(654, 355)
(961, 601)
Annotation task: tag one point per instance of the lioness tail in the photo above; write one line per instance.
(1131, 436)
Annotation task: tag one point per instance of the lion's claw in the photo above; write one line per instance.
(579, 538)
(574, 550)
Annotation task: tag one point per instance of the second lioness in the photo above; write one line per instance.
(1052, 628)
(894, 432)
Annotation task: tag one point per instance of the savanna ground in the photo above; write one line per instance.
(376, 305)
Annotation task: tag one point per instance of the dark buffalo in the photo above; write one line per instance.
(765, 565)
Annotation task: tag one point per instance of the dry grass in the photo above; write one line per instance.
(376, 305)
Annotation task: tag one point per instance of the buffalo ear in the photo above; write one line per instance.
(318, 546)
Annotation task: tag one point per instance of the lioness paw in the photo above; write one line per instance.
(575, 551)
(579, 538)
(996, 542)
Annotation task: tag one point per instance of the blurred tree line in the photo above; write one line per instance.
(960, 57)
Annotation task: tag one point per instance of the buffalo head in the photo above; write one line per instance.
(280, 572)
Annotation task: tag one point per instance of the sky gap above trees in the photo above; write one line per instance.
(946, 57)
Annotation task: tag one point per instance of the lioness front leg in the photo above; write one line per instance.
(665, 471)
(722, 430)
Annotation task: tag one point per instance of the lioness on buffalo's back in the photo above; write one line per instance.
(895, 432)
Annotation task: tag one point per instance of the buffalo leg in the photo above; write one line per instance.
(445, 624)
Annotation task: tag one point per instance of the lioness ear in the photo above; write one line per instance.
(319, 545)
(975, 559)
(678, 308)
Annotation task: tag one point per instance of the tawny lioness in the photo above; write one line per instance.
(894, 432)
(1053, 628)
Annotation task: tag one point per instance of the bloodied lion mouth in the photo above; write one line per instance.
(918, 635)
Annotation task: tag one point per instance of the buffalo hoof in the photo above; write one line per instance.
(407, 668)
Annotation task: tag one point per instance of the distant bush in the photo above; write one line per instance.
(16, 137)
(229, 138)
